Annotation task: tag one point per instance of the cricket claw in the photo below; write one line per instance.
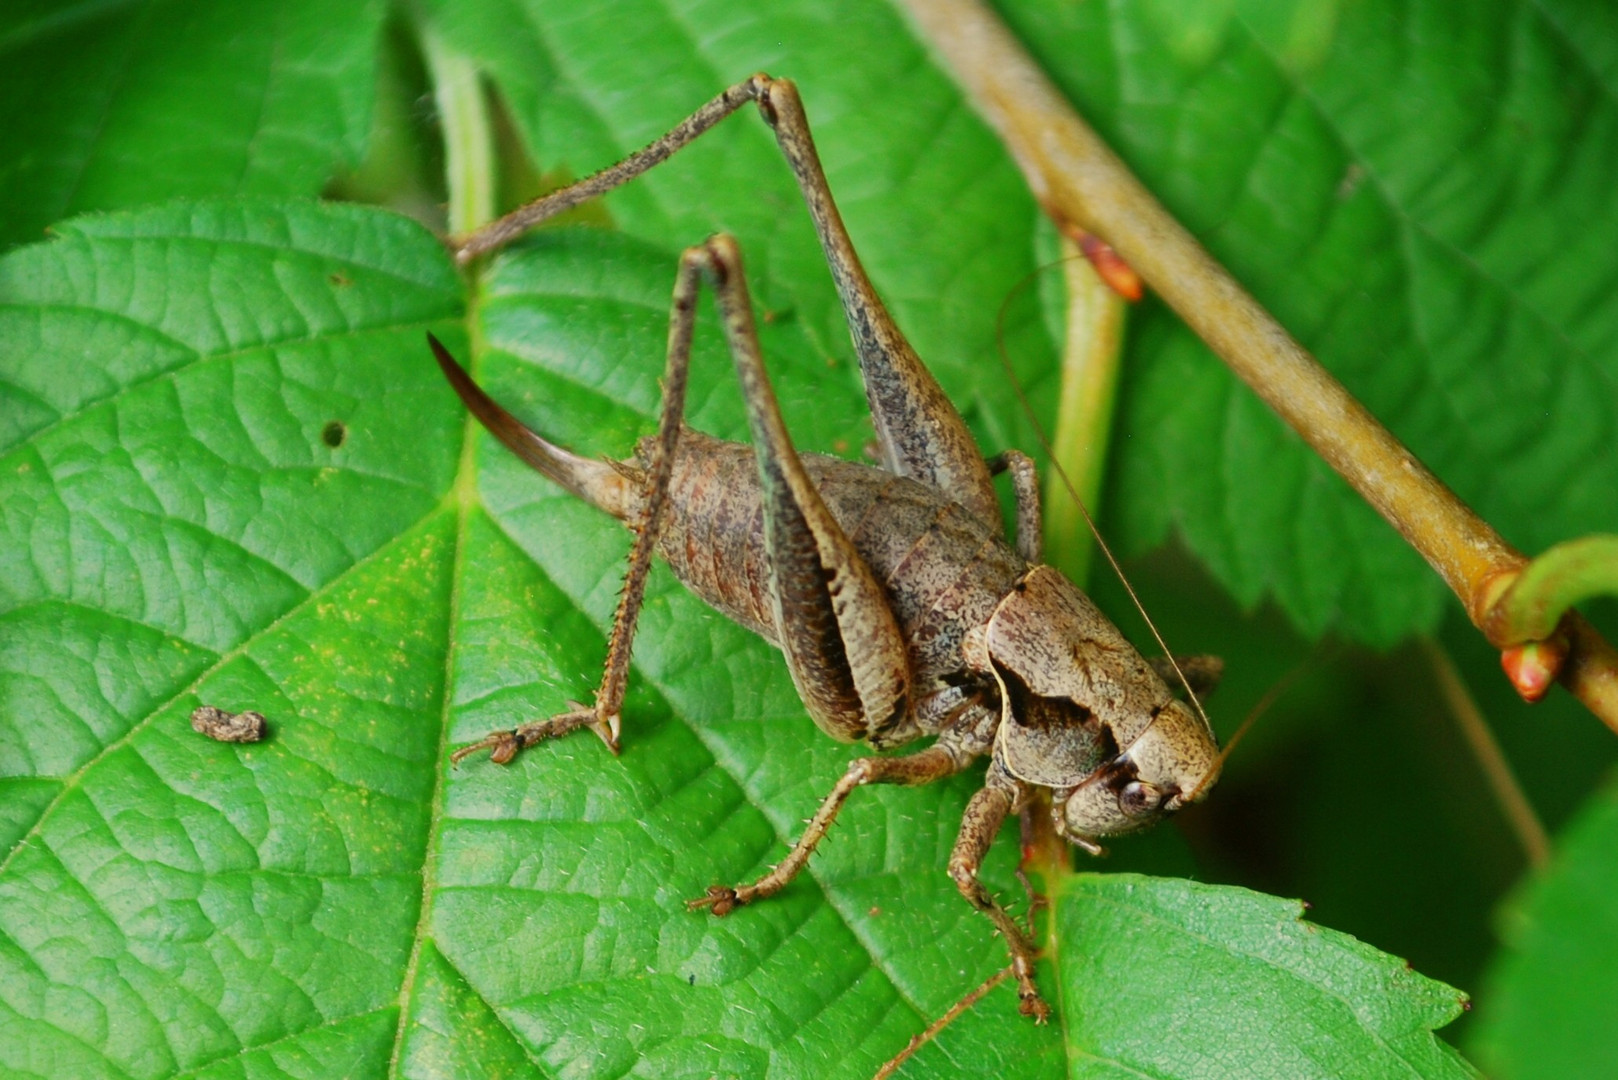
(1029, 1003)
(721, 900)
(503, 746)
(1034, 1007)
(606, 728)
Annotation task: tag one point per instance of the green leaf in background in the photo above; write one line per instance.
(1421, 194)
(1547, 1011)
(231, 475)
(111, 104)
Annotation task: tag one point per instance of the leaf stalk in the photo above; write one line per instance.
(463, 111)
(1091, 351)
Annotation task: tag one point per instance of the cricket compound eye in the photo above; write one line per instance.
(1095, 808)
(1138, 799)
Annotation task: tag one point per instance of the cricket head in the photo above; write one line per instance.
(1172, 762)
(1083, 714)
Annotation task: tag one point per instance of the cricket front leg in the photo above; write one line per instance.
(933, 763)
(982, 820)
(604, 717)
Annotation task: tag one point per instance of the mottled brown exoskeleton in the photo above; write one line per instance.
(216, 723)
(902, 610)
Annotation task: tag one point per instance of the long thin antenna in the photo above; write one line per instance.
(1260, 707)
(1073, 492)
(955, 1010)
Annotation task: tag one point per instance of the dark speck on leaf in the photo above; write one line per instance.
(333, 434)
(340, 279)
(692, 979)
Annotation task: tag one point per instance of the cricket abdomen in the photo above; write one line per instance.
(943, 570)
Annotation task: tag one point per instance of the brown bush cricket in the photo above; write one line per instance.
(901, 608)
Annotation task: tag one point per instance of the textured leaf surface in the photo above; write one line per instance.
(1176, 979)
(335, 894)
(179, 529)
(108, 105)
(1546, 1014)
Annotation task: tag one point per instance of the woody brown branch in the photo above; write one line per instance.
(1081, 182)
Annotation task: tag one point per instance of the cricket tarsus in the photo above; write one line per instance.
(503, 746)
(902, 610)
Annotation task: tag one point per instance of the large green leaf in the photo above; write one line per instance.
(179, 529)
(1350, 1010)
(186, 533)
(110, 104)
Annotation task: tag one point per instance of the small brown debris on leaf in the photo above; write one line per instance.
(243, 727)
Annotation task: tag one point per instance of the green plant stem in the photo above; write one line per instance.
(1091, 351)
(1553, 582)
(1081, 182)
(463, 111)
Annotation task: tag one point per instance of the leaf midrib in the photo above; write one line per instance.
(460, 494)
